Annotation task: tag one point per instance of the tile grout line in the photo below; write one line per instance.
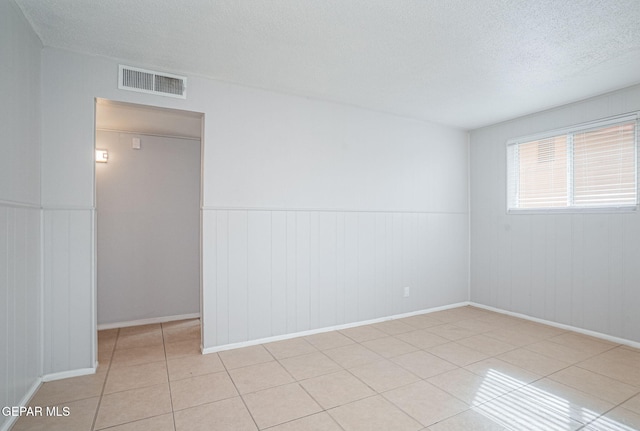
(166, 363)
(611, 409)
(106, 377)
(236, 388)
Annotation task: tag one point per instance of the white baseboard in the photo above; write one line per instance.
(66, 374)
(327, 329)
(595, 334)
(23, 402)
(148, 321)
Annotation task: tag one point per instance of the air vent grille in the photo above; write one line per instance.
(148, 81)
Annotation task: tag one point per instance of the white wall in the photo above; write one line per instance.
(20, 298)
(575, 269)
(148, 225)
(281, 175)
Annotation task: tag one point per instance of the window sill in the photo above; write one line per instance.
(572, 210)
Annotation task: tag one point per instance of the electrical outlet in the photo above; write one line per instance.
(407, 290)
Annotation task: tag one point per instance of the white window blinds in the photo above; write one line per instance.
(590, 166)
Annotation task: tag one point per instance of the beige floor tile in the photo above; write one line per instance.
(603, 387)
(142, 339)
(633, 404)
(521, 410)
(496, 369)
(471, 312)
(389, 347)
(422, 339)
(288, 348)
(181, 324)
(540, 330)
(280, 404)
(583, 343)
(80, 418)
(450, 316)
(140, 329)
(225, 415)
(558, 351)
(384, 375)
(136, 376)
(623, 355)
(425, 402)
(318, 422)
(72, 389)
(619, 363)
(478, 326)
(393, 327)
(252, 355)
(198, 390)
(512, 335)
(508, 389)
(135, 404)
(580, 406)
(499, 320)
(487, 345)
(157, 423)
(363, 333)
(310, 365)
(353, 355)
(260, 376)
(618, 419)
(107, 340)
(373, 414)
(451, 332)
(104, 357)
(468, 312)
(328, 340)
(421, 321)
(472, 388)
(469, 420)
(457, 354)
(191, 366)
(137, 356)
(629, 348)
(336, 389)
(107, 334)
(174, 334)
(181, 349)
(534, 362)
(424, 364)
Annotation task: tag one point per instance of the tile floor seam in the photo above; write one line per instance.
(104, 384)
(604, 375)
(315, 401)
(244, 403)
(551, 357)
(416, 419)
(166, 362)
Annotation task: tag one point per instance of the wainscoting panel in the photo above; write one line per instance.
(274, 272)
(69, 289)
(20, 302)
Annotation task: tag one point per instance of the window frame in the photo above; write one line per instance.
(572, 130)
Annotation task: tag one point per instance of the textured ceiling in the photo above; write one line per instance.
(465, 63)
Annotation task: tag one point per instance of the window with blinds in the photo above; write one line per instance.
(591, 166)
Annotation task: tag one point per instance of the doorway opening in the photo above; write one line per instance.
(148, 186)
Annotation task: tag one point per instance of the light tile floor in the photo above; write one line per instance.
(460, 369)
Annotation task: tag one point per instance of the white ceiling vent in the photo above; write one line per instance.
(149, 81)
